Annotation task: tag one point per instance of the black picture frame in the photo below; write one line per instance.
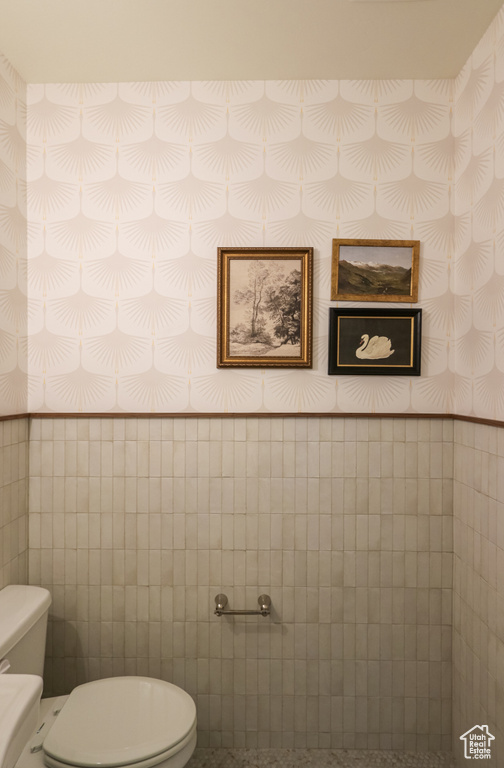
(396, 351)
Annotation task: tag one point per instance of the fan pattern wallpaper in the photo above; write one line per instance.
(13, 243)
(108, 295)
(478, 226)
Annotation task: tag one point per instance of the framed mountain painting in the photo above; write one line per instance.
(375, 270)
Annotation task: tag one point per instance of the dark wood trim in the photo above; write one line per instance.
(261, 415)
(476, 420)
(238, 415)
(13, 416)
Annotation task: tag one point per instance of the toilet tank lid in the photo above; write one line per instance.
(21, 607)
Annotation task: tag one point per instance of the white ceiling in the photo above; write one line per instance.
(137, 40)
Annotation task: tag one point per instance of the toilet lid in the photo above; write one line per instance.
(118, 721)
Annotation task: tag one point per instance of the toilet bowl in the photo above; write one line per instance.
(119, 722)
(137, 722)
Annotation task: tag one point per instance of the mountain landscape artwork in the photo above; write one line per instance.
(374, 277)
(375, 270)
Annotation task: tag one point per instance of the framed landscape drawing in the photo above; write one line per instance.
(375, 341)
(264, 307)
(375, 270)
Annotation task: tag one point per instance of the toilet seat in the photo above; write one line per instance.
(121, 721)
(188, 743)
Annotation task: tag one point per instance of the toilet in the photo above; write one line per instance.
(138, 722)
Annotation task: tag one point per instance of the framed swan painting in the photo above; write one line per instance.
(375, 342)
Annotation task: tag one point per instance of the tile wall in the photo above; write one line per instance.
(13, 502)
(136, 525)
(478, 621)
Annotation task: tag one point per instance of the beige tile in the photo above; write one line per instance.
(383, 534)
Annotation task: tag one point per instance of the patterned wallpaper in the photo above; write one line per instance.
(13, 226)
(132, 188)
(478, 301)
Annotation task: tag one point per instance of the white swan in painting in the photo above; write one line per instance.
(376, 348)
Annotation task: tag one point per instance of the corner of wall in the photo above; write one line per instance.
(13, 242)
(478, 211)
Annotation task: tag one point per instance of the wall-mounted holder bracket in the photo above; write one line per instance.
(264, 607)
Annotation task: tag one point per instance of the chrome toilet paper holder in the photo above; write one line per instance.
(264, 607)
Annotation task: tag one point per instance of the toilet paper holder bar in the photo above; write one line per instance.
(264, 607)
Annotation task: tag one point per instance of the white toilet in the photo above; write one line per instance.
(137, 722)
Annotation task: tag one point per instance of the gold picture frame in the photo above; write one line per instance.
(375, 270)
(264, 307)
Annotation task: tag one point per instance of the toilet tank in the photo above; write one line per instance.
(23, 626)
(19, 714)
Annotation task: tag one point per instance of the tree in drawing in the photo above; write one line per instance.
(269, 304)
(254, 296)
(284, 306)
